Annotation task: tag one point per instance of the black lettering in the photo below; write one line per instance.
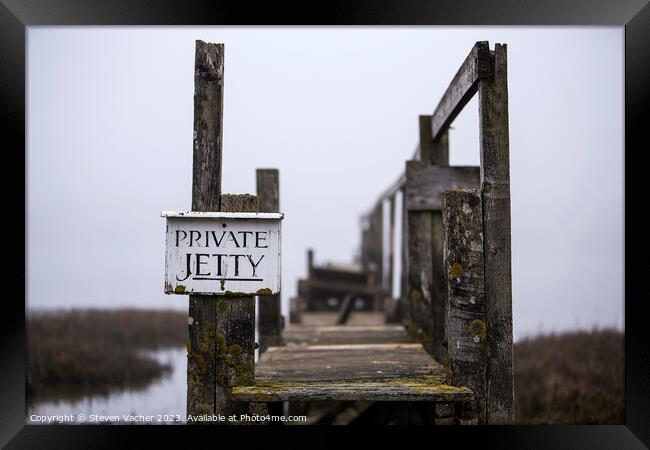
(189, 271)
(257, 239)
(199, 263)
(231, 235)
(245, 233)
(236, 264)
(184, 235)
(217, 241)
(254, 265)
(219, 256)
(192, 238)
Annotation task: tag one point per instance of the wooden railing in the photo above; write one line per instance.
(455, 278)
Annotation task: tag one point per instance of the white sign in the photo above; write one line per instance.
(222, 253)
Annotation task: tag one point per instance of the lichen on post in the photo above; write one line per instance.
(466, 332)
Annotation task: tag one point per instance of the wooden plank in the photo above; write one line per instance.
(426, 139)
(404, 293)
(438, 288)
(208, 126)
(466, 318)
(344, 310)
(373, 259)
(348, 334)
(376, 372)
(435, 151)
(310, 262)
(391, 246)
(461, 89)
(426, 287)
(336, 287)
(420, 277)
(295, 310)
(426, 183)
(234, 335)
(206, 192)
(495, 187)
(395, 390)
(434, 155)
(327, 318)
(269, 307)
(350, 362)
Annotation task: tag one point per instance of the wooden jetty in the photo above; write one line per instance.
(449, 358)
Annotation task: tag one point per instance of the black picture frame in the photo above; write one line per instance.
(17, 15)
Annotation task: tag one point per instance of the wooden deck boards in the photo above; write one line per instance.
(350, 370)
(348, 362)
(324, 318)
(344, 334)
(351, 391)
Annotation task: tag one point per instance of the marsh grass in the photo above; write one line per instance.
(95, 351)
(570, 378)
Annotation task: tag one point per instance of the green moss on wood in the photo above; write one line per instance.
(222, 305)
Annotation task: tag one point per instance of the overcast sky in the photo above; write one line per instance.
(110, 113)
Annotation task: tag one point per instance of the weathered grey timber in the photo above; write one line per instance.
(462, 88)
(208, 126)
(426, 182)
(344, 310)
(426, 287)
(201, 364)
(466, 318)
(372, 256)
(495, 188)
(404, 293)
(234, 331)
(420, 277)
(310, 261)
(391, 246)
(206, 195)
(436, 151)
(419, 257)
(328, 318)
(270, 317)
(221, 343)
(371, 372)
(439, 289)
(335, 334)
(483, 72)
(337, 286)
(393, 391)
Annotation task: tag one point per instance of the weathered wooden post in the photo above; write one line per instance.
(393, 307)
(495, 189)
(464, 264)
(202, 387)
(310, 262)
(374, 263)
(269, 307)
(404, 292)
(485, 72)
(391, 245)
(200, 261)
(426, 287)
